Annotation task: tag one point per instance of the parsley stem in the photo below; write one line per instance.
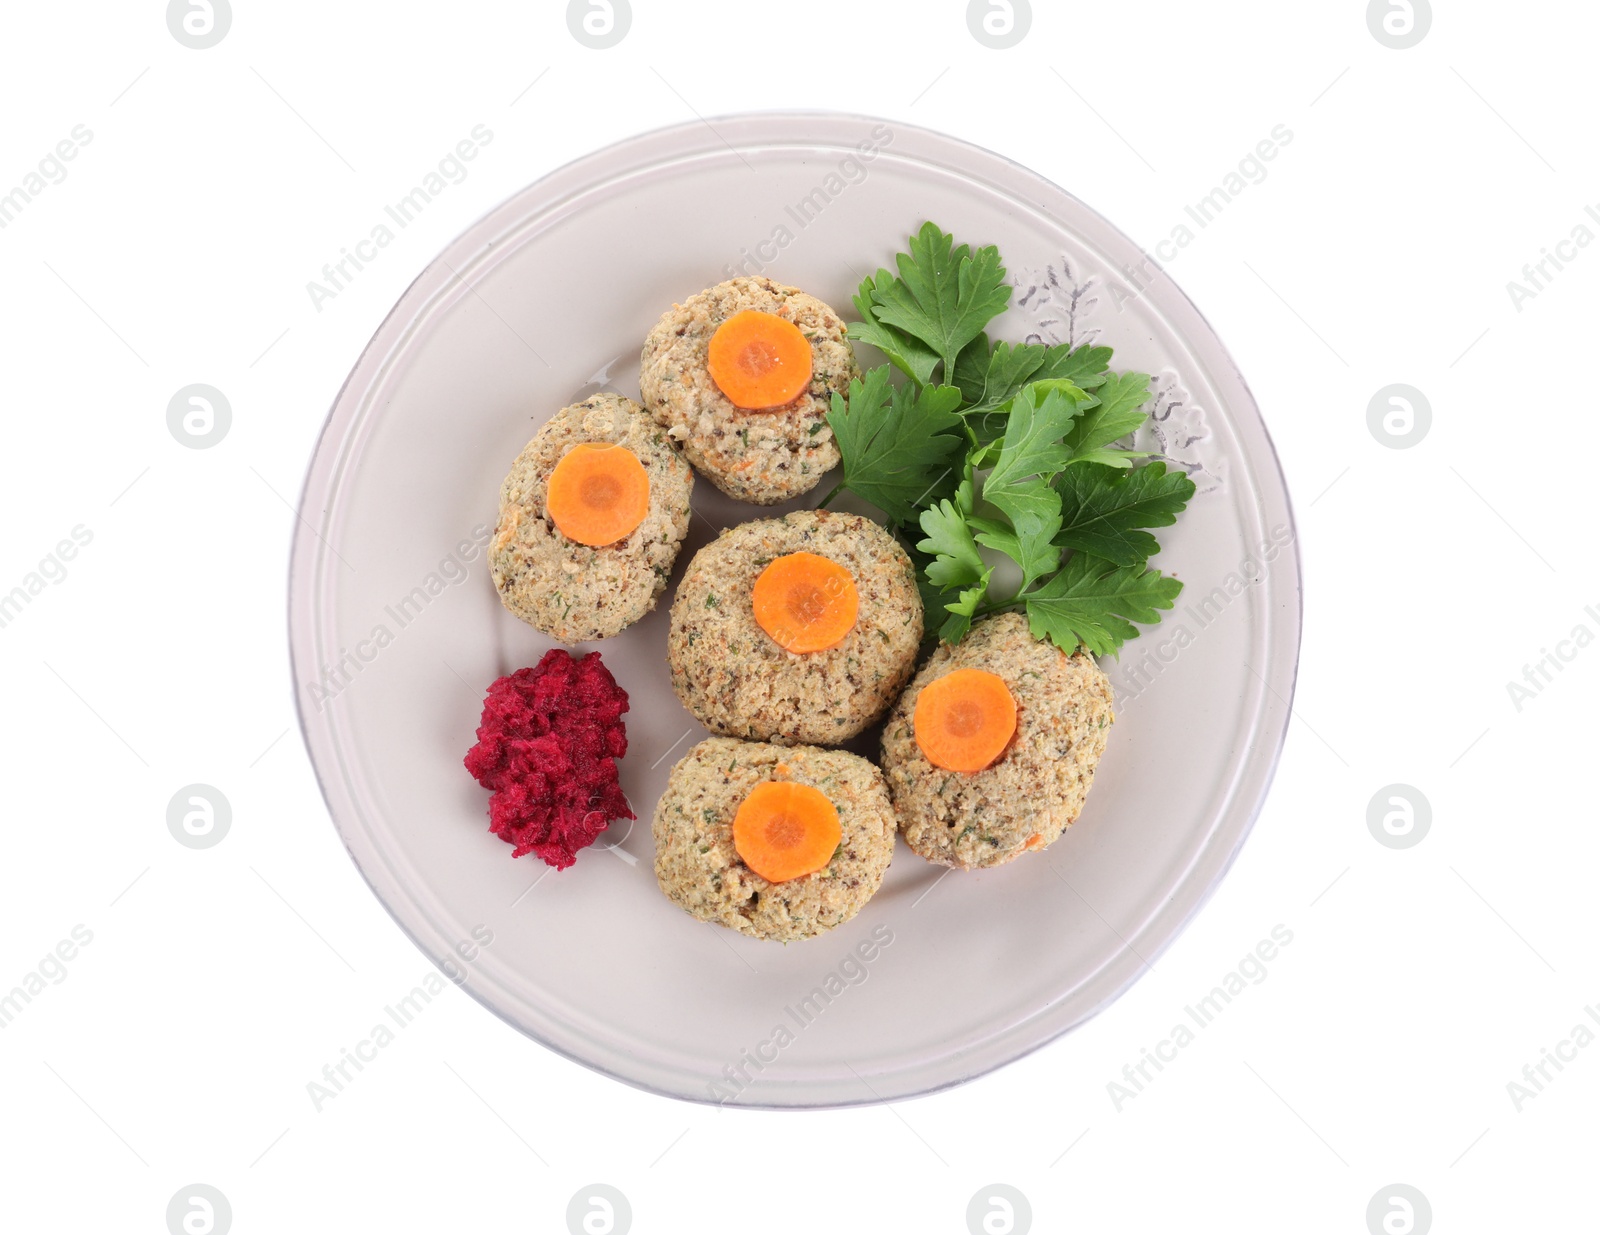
(837, 489)
(995, 606)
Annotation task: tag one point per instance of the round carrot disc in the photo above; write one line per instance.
(759, 360)
(964, 720)
(783, 830)
(806, 602)
(598, 493)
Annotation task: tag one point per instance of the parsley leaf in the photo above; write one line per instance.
(898, 445)
(1029, 539)
(945, 295)
(1084, 367)
(1013, 450)
(1030, 503)
(1103, 509)
(911, 356)
(962, 609)
(1117, 414)
(1095, 603)
(1031, 452)
(948, 537)
(988, 378)
(1040, 419)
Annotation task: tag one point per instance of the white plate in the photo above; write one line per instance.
(548, 299)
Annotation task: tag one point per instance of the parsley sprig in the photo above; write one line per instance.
(1010, 447)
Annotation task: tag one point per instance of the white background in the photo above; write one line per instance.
(220, 981)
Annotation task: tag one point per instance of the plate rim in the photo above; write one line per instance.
(305, 535)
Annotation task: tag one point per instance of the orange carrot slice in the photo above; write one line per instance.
(806, 602)
(964, 720)
(783, 830)
(598, 493)
(759, 360)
